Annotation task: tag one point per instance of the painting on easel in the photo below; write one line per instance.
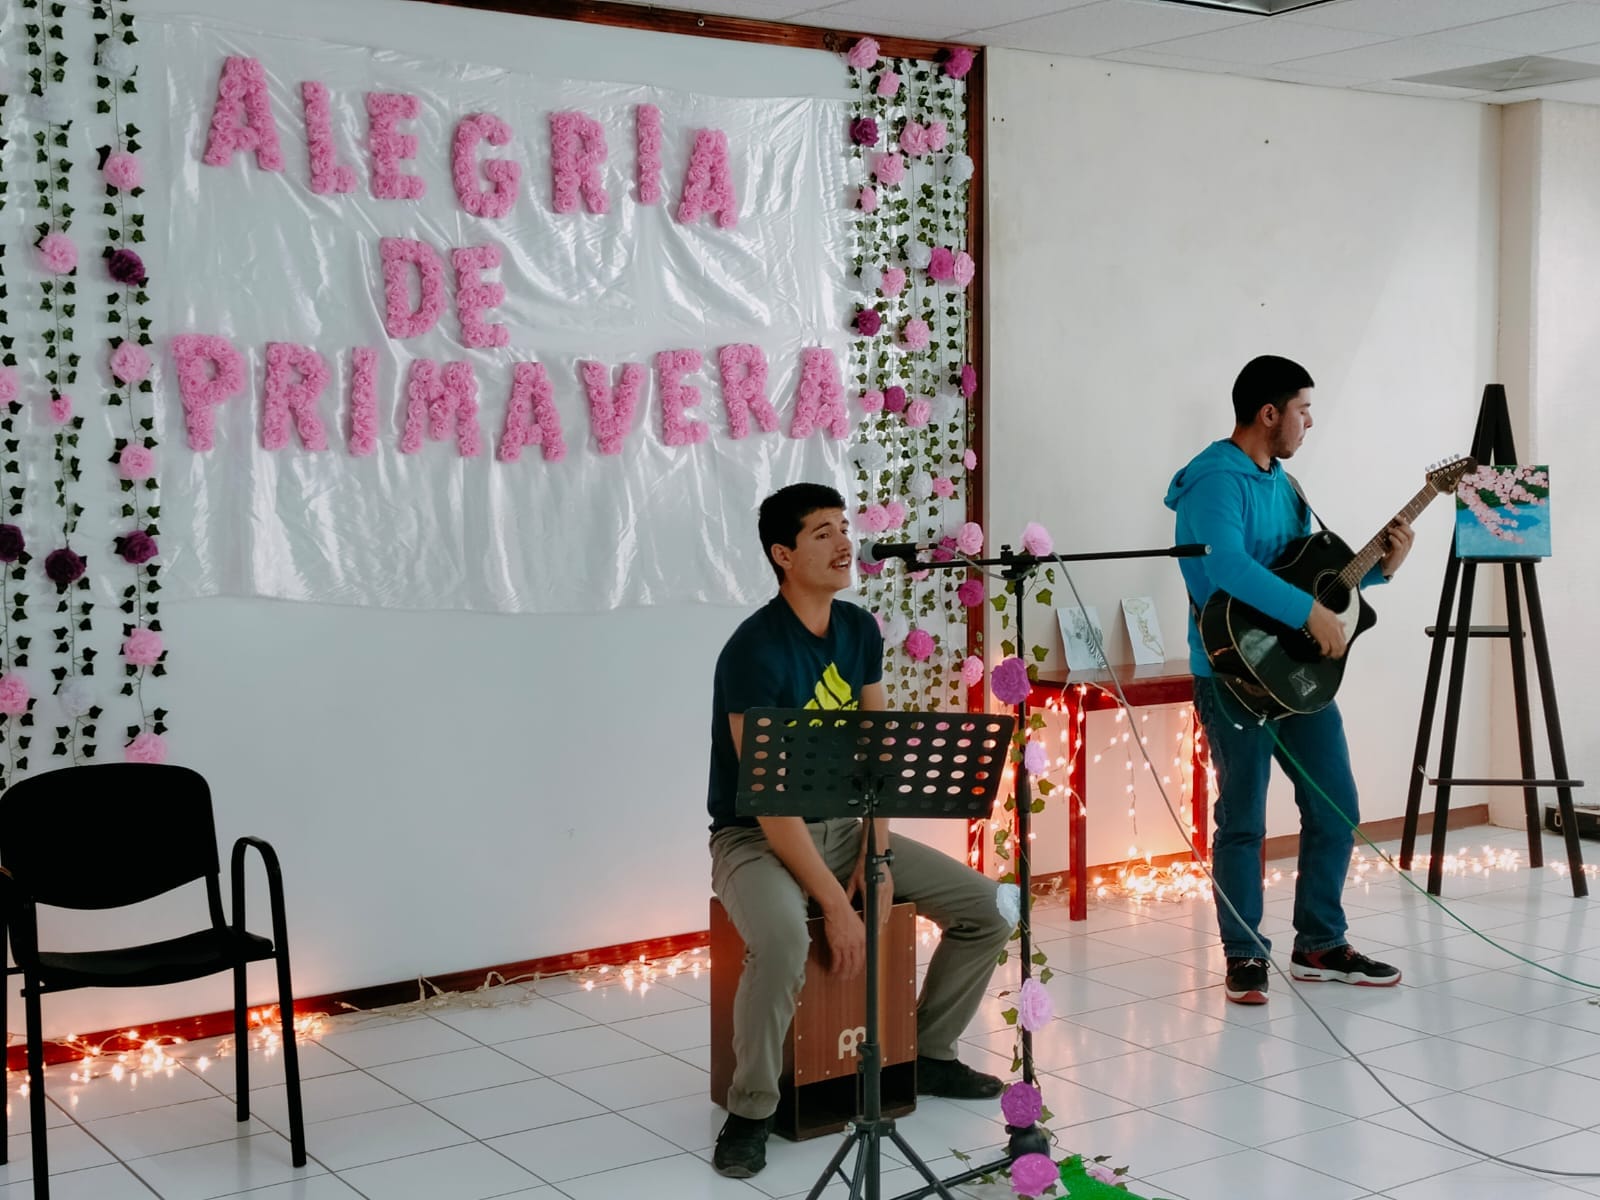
(1503, 512)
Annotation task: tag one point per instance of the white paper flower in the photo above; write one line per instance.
(869, 456)
(895, 628)
(871, 278)
(946, 407)
(920, 485)
(958, 168)
(1008, 899)
(919, 255)
(117, 59)
(57, 107)
(76, 697)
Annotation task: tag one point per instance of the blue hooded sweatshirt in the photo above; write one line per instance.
(1247, 516)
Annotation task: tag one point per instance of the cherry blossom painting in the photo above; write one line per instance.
(1503, 512)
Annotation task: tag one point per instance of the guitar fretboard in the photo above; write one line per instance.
(1369, 554)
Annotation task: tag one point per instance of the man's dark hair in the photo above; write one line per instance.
(784, 513)
(1267, 380)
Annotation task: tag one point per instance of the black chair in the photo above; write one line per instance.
(41, 819)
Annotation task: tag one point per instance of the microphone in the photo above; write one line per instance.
(1189, 550)
(907, 551)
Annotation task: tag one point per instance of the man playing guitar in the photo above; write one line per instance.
(1236, 497)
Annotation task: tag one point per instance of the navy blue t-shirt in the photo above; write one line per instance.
(773, 661)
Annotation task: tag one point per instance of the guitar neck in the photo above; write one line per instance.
(1375, 549)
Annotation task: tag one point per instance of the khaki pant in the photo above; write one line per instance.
(769, 910)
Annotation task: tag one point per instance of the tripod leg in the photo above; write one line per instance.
(826, 1177)
(922, 1167)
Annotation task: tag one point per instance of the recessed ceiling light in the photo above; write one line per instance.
(1256, 8)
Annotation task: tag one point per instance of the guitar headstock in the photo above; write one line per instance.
(1445, 474)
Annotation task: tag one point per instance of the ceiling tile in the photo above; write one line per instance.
(1172, 62)
(908, 25)
(1397, 59)
(1539, 32)
(1588, 54)
(1397, 87)
(958, 14)
(1407, 18)
(1273, 40)
(1112, 25)
(760, 10)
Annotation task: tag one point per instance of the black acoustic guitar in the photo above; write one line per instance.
(1276, 671)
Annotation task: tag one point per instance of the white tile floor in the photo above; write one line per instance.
(560, 1092)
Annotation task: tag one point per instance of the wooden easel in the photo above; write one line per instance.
(1492, 443)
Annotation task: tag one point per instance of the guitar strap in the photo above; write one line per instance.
(1299, 491)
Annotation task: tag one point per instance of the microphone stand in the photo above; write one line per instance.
(1017, 570)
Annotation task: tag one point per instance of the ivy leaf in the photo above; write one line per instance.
(1045, 596)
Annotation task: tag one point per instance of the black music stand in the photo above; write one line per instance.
(797, 762)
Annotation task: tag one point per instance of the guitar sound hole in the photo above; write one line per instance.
(1332, 593)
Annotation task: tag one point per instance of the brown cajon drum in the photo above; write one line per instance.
(819, 1089)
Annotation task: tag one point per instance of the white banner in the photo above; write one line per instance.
(330, 439)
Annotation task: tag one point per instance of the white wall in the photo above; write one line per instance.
(1152, 230)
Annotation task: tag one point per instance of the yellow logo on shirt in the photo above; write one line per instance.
(833, 692)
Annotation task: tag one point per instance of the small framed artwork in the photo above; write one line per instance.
(1503, 512)
(1081, 635)
(1144, 631)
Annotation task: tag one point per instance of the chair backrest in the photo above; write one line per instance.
(45, 819)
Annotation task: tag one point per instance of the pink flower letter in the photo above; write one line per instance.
(400, 321)
(242, 117)
(475, 297)
(744, 389)
(363, 401)
(647, 134)
(328, 175)
(210, 371)
(577, 152)
(388, 146)
(677, 397)
(503, 173)
(610, 413)
(442, 397)
(531, 416)
(708, 183)
(288, 395)
(819, 401)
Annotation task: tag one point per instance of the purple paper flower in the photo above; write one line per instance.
(1035, 758)
(137, 547)
(864, 131)
(63, 567)
(971, 593)
(919, 645)
(125, 266)
(1032, 1174)
(1009, 681)
(969, 379)
(957, 61)
(12, 543)
(894, 398)
(868, 322)
(1021, 1104)
(941, 264)
(1034, 1007)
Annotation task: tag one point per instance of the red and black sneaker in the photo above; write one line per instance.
(1342, 964)
(1247, 980)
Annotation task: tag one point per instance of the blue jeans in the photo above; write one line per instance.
(1242, 750)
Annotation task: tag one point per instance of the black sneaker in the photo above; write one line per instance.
(1247, 980)
(954, 1080)
(741, 1146)
(1342, 965)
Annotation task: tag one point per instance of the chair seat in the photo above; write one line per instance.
(171, 961)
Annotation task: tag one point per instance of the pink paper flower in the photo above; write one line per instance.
(136, 463)
(971, 592)
(328, 175)
(744, 389)
(13, 695)
(971, 670)
(915, 334)
(1021, 1105)
(819, 400)
(577, 158)
(871, 567)
(894, 398)
(390, 147)
(1035, 758)
(963, 270)
(1033, 1174)
(944, 487)
(1009, 681)
(941, 264)
(888, 169)
(147, 747)
(864, 131)
(1036, 539)
(8, 384)
(868, 322)
(58, 253)
(143, 647)
(913, 138)
(957, 62)
(919, 645)
(123, 170)
(130, 362)
(918, 413)
(896, 513)
(969, 459)
(969, 539)
(863, 54)
(647, 138)
(531, 416)
(60, 408)
(938, 135)
(888, 84)
(872, 400)
(1034, 1007)
(867, 200)
(708, 184)
(502, 173)
(1101, 1172)
(969, 380)
(874, 518)
(894, 280)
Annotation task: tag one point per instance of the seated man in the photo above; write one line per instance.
(805, 649)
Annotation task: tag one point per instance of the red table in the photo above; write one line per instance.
(1089, 691)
